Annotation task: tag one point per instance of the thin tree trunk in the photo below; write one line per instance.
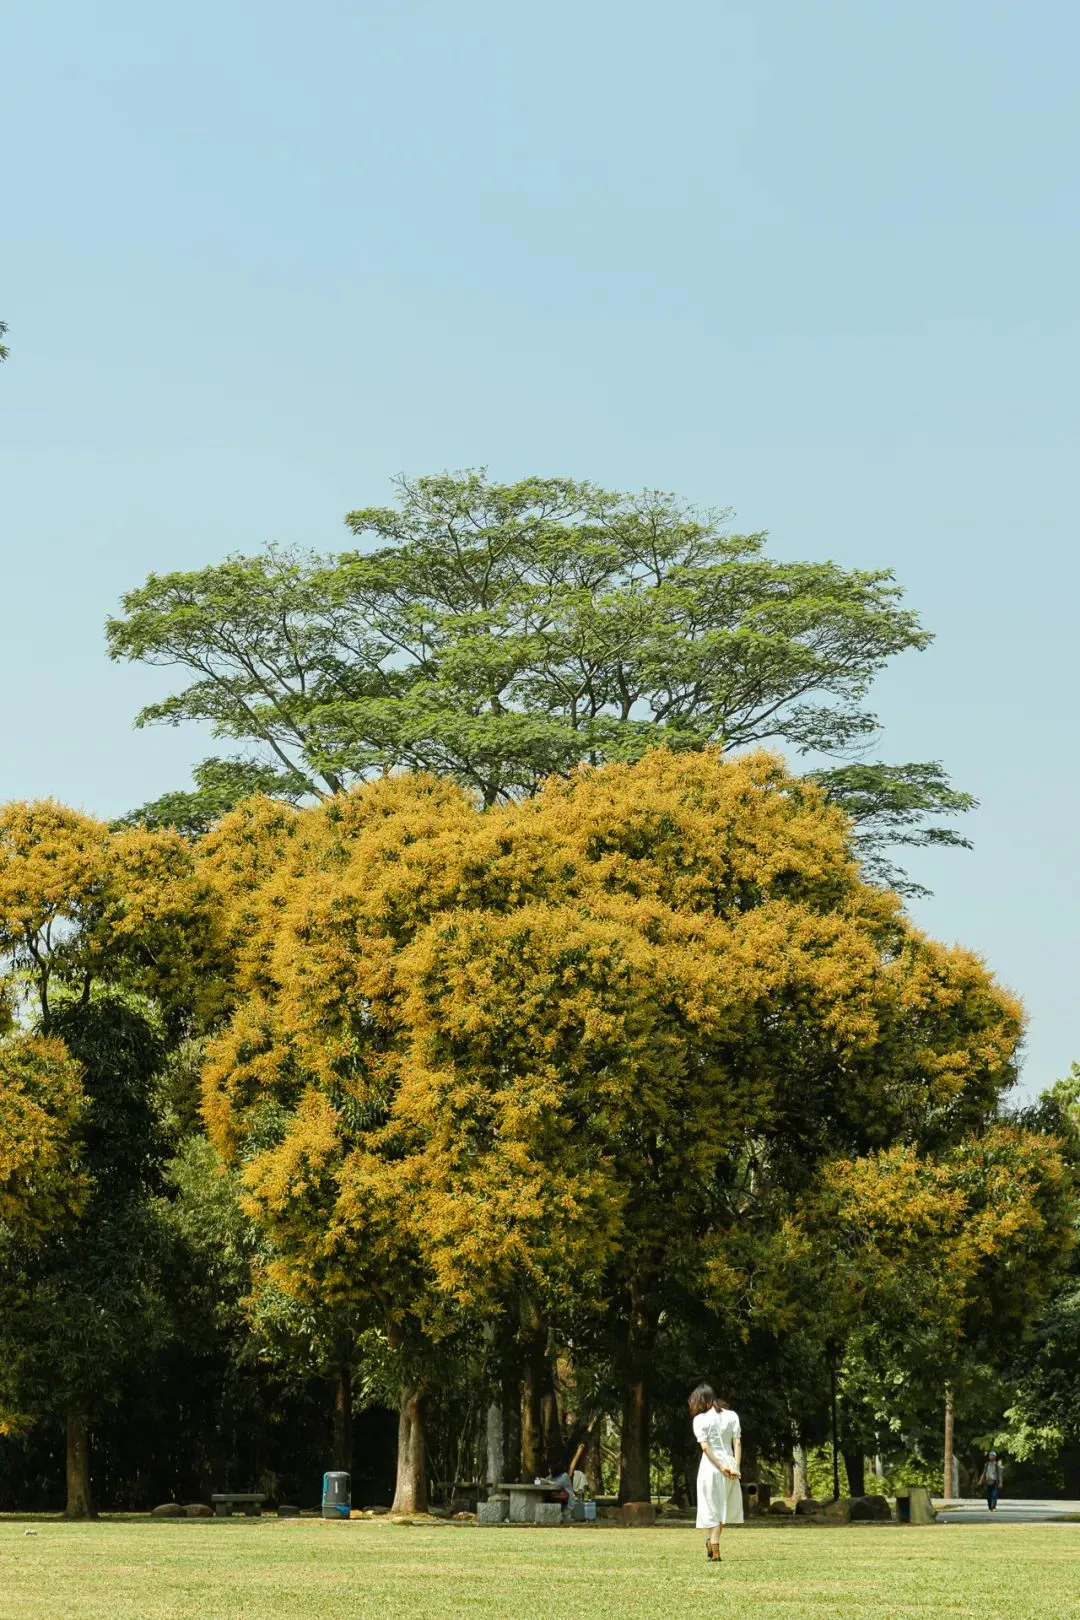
(635, 1484)
(680, 1479)
(80, 1501)
(833, 1423)
(798, 1461)
(341, 1448)
(410, 1493)
(855, 1468)
(512, 1430)
(494, 1448)
(533, 1461)
(947, 1485)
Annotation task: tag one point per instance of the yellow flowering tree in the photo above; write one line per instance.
(41, 1104)
(588, 1047)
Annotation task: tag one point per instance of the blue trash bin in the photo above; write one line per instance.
(336, 1498)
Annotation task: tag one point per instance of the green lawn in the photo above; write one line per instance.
(263, 1569)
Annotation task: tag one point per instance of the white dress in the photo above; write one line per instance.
(719, 1497)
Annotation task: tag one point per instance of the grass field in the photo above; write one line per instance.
(269, 1568)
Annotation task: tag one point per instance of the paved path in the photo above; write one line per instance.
(1010, 1510)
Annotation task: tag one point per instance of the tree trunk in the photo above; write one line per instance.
(635, 1484)
(833, 1424)
(948, 1470)
(533, 1461)
(532, 1428)
(341, 1447)
(512, 1430)
(680, 1479)
(855, 1468)
(592, 1461)
(493, 1450)
(80, 1501)
(410, 1493)
(798, 1469)
(550, 1425)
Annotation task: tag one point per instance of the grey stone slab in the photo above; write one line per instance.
(496, 1510)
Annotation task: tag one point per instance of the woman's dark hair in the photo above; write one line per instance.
(702, 1399)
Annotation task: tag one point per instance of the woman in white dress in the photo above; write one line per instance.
(719, 1482)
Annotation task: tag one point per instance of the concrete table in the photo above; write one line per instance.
(250, 1501)
(523, 1500)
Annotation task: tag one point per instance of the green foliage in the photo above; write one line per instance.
(220, 784)
(887, 803)
(501, 633)
(78, 1310)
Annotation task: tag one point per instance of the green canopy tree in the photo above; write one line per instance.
(79, 1310)
(103, 939)
(1043, 1376)
(501, 633)
(931, 1267)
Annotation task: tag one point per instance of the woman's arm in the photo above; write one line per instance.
(738, 1455)
(708, 1450)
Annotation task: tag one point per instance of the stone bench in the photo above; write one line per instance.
(495, 1510)
(250, 1501)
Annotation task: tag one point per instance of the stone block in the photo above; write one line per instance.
(199, 1510)
(779, 1509)
(168, 1510)
(548, 1513)
(838, 1512)
(805, 1507)
(913, 1505)
(870, 1508)
(496, 1510)
(637, 1515)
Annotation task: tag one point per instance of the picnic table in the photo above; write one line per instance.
(250, 1501)
(459, 1493)
(524, 1500)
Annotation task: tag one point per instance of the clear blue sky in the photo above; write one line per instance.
(815, 259)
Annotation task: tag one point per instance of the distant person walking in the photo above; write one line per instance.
(719, 1483)
(990, 1480)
